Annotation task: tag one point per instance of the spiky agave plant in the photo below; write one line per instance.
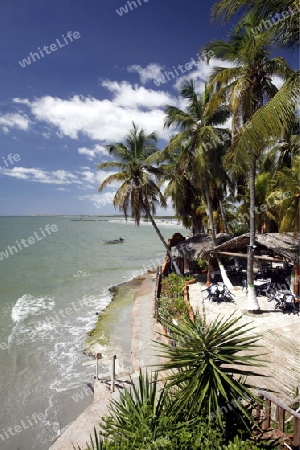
(208, 367)
(140, 416)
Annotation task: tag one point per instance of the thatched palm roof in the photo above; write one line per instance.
(285, 245)
(200, 246)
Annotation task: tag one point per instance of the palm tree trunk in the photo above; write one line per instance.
(223, 215)
(149, 216)
(210, 213)
(224, 276)
(252, 303)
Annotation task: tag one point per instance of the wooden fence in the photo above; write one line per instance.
(275, 411)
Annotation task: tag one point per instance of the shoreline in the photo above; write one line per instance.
(141, 332)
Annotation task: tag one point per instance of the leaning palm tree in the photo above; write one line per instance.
(138, 193)
(245, 86)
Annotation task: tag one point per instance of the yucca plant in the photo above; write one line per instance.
(207, 369)
(141, 415)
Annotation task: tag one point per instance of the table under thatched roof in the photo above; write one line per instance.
(285, 245)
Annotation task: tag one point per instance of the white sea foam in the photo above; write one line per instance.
(28, 305)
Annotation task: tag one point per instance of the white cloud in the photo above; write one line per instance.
(92, 153)
(278, 82)
(42, 176)
(128, 96)
(14, 121)
(148, 73)
(104, 120)
(99, 200)
(83, 179)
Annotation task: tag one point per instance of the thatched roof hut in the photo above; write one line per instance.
(284, 245)
(268, 245)
(200, 245)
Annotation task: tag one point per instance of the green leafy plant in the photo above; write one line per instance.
(209, 366)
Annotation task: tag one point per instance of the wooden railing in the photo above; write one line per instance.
(265, 411)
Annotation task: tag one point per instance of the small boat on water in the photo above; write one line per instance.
(115, 241)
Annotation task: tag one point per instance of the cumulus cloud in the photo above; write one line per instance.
(91, 153)
(148, 73)
(104, 120)
(19, 121)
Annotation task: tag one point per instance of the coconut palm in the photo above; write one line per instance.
(245, 86)
(201, 141)
(280, 20)
(138, 193)
(285, 195)
(207, 368)
(203, 145)
(187, 200)
(278, 114)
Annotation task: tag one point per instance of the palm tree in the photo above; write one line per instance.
(201, 141)
(245, 86)
(278, 114)
(187, 200)
(207, 368)
(138, 192)
(203, 145)
(285, 195)
(279, 19)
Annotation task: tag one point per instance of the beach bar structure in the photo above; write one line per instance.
(269, 247)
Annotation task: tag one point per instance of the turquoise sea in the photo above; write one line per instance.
(50, 291)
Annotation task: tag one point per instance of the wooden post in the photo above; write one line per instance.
(113, 373)
(258, 408)
(281, 415)
(296, 435)
(267, 415)
(98, 356)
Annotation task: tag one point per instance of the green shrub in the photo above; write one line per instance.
(239, 444)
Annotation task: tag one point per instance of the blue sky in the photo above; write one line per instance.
(58, 112)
